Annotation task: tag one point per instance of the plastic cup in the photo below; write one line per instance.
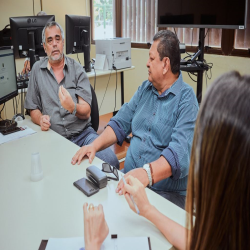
(36, 173)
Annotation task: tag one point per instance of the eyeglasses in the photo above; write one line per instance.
(109, 169)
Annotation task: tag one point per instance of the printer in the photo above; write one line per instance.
(117, 51)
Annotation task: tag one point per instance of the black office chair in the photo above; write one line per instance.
(94, 111)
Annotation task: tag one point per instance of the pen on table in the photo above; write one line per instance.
(137, 210)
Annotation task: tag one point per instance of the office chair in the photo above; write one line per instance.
(94, 111)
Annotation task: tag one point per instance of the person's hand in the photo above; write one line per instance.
(26, 67)
(95, 226)
(45, 122)
(66, 99)
(138, 173)
(137, 190)
(88, 150)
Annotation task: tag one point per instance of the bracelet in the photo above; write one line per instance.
(147, 169)
(152, 174)
(74, 111)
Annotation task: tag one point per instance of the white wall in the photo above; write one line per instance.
(221, 64)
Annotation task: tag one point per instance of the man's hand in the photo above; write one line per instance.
(26, 67)
(88, 150)
(95, 227)
(66, 99)
(45, 122)
(138, 173)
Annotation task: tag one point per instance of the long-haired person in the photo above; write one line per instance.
(218, 193)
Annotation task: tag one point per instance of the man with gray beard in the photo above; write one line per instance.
(59, 94)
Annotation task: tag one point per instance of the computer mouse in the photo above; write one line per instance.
(18, 117)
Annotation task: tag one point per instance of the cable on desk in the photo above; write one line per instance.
(115, 89)
(78, 58)
(33, 8)
(95, 77)
(191, 77)
(14, 106)
(188, 56)
(1, 111)
(41, 4)
(105, 90)
(5, 111)
(18, 100)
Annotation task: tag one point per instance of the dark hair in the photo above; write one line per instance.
(169, 47)
(219, 177)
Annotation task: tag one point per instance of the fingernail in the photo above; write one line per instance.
(120, 192)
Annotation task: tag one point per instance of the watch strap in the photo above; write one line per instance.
(74, 111)
(146, 167)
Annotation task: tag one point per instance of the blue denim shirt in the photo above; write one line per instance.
(162, 125)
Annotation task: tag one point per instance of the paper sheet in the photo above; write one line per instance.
(122, 243)
(16, 135)
(101, 62)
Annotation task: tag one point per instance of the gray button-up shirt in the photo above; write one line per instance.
(43, 90)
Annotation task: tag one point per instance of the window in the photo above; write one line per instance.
(190, 36)
(137, 19)
(103, 19)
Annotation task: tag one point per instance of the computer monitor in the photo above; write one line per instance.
(78, 37)
(26, 34)
(8, 83)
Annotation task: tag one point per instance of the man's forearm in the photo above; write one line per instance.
(82, 111)
(105, 139)
(35, 116)
(161, 169)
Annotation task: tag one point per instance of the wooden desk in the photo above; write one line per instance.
(52, 207)
(120, 151)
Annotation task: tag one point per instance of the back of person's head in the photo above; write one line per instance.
(219, 177)
(169, 47)
(41, 13)
(49, 25)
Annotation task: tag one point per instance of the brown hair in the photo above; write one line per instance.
(219, 177)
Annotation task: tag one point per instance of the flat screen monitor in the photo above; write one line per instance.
(78, 37)
(223, 14)
(26, 31)
(8, 83)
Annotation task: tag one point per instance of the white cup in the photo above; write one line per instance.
(36, 168)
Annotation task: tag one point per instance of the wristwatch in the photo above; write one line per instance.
(147, 168)
(74, 111)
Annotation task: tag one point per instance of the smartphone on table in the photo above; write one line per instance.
(86, 186)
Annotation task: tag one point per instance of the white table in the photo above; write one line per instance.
(52, 208)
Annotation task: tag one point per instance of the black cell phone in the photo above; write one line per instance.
(10, 131)
(87, 187)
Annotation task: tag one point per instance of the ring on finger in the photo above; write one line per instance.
(91, 206)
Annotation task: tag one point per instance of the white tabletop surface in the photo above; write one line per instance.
(52, 208)
(106, 72)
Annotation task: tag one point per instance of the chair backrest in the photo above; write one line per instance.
(94, 111)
